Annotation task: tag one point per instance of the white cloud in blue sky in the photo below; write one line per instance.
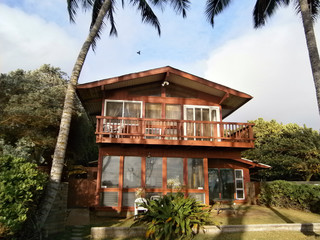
(271, 63)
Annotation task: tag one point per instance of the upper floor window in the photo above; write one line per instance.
(119, 108)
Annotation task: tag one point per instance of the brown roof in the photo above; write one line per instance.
(90, 94)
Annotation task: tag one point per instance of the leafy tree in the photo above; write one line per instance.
(21, 186)
(101, 9)
(263, 9)
(292, 151)
(30, 109)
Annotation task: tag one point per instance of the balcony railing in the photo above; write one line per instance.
(173, 132)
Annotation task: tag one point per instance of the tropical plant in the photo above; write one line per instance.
(101, 9)
(173, 217)
(21, 186)
(263, 9)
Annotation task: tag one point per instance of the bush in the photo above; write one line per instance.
(173, 217)
(21, 186)
(291, 195)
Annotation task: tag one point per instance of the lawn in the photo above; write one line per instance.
(243, 215)
(263, 215)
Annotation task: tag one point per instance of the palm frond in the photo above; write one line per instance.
(95, 12)
(181, 6)
(147, 15)
(73, 5)
(314, 6)
(265, 9)
(214, 7)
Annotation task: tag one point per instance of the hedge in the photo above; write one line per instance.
(21, 186)
(291, 195)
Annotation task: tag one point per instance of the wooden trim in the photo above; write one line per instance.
(206, 180)
(143, 172)
(164, 175)
(164, 70)
(99, 174)
(185, 174)
(120, 182)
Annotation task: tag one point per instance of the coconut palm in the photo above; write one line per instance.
(101, 9)
(264, 9)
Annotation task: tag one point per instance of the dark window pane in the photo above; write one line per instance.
(110, 172)
(214, 183)
(227, 183)
(195, 173)
(154, 172)
(175, 171)
(132, 172)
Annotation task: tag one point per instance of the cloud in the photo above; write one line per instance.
(272, 65)
(28, 41)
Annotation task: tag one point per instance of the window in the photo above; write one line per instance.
(200, 129)
(200, 197)
(109, 199)
(132, 172)
(226, 184)
(195, 173)
(173, 111)
(110, 172)
(128, 199)
(174, 172)
(153, 110)
(239, 183)
(115, 108)
(154, 172)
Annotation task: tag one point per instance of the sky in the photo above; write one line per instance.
(271, 63)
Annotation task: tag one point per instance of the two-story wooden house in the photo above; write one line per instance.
(164, 126)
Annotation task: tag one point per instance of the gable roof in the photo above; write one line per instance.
(91, 93)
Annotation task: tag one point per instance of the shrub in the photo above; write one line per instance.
(21, 185)
(291, 195)
(173, 217)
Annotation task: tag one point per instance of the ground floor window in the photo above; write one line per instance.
(121, 176)
(225, 183)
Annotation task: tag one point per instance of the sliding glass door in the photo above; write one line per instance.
(202, 128)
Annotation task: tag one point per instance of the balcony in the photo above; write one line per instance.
(173, 132)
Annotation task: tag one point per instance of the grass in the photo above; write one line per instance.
(244, 215)
(283, 235)
(263, 215)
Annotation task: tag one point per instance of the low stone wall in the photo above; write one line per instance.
(124, 232)
(117, 232)
(57, 217)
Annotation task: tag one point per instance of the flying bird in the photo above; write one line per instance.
(139, 52)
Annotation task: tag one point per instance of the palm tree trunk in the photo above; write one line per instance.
(312, 46)
(60, 150)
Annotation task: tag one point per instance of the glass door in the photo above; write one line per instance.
(202, 115)
(214, 184)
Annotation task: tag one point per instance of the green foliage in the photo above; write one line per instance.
(292, 151)
(31, 104)
(21, 186)
(291, 195)
(173, 217)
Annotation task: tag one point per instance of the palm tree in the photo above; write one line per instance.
(263, 9)
(101, 9)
